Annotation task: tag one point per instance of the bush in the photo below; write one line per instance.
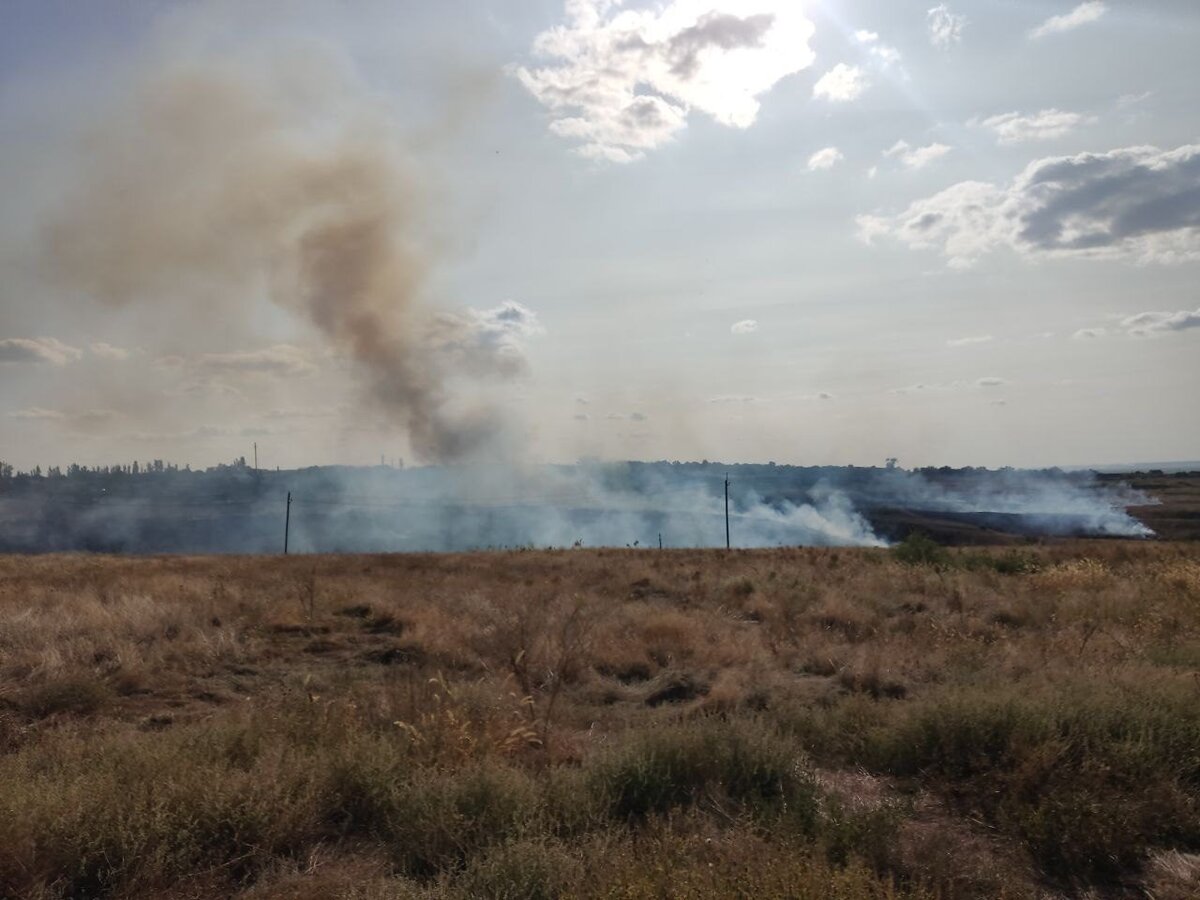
(1089, 779)
(522, 870)
(920, 550)
(672, 766)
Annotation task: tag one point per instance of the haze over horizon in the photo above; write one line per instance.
(817, 232)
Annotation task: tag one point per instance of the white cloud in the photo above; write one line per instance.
(945, 27)
(746, 326)
(1080, 15)
(733, 399)
(280, 359)
(290, 414)
(1015, 128)
(967, 341)
(945, 387)
(883, 54)
(1127, 100)
(825, 159)
(37, 413)
(1088, 334)
(484, 342)
(916, 157)
(108, 351)
(624, 81)
(1150, 323)
(841, 84)
(79, 420)
(38, 350)
(1136, 203)
(508, 322)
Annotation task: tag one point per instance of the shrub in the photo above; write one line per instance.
(920, 550)
(1089, 779)
(672, 766)
(521, 870)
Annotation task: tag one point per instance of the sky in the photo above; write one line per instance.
(806, 231)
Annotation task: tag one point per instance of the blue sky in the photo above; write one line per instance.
(814, 232)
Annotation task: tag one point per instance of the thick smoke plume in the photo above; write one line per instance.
(214, 184)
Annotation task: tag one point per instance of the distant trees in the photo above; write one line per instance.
(77, 471)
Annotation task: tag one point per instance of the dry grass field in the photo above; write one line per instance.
(808, 723)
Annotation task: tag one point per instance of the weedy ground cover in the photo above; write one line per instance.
(916, 723)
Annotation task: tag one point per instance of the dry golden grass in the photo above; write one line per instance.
(839, 724)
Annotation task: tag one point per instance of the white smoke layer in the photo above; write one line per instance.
(1051, 503)
(337, 509)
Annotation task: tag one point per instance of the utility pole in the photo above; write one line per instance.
(256, 456)
(287, 523)
(727, 545)
(660, 540)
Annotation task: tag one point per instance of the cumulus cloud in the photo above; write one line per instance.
(38, 350)
(945, 27)
(1080, 15)
(1136, 203)
(623, 81)
(1151, 323)
(841, 84)
(825, 159)
(1016, 128)
(967, 341)
(108, 351)
(882, 54)
(916, 157)
(746, 326)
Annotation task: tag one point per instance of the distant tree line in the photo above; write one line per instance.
(151, 467)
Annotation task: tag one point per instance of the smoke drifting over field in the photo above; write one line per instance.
(214, 182)
(236, 509)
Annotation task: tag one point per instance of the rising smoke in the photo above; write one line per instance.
(212, 183)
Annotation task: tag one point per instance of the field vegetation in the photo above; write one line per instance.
(814, 723)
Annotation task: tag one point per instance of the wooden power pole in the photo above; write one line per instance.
(727, 545)
(287, 523)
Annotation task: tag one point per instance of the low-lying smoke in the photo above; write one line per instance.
(238, 509)
(213, 183)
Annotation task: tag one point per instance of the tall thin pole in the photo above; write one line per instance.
(727, 545)
(256, 456)
(287, 523)
(660, 540)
